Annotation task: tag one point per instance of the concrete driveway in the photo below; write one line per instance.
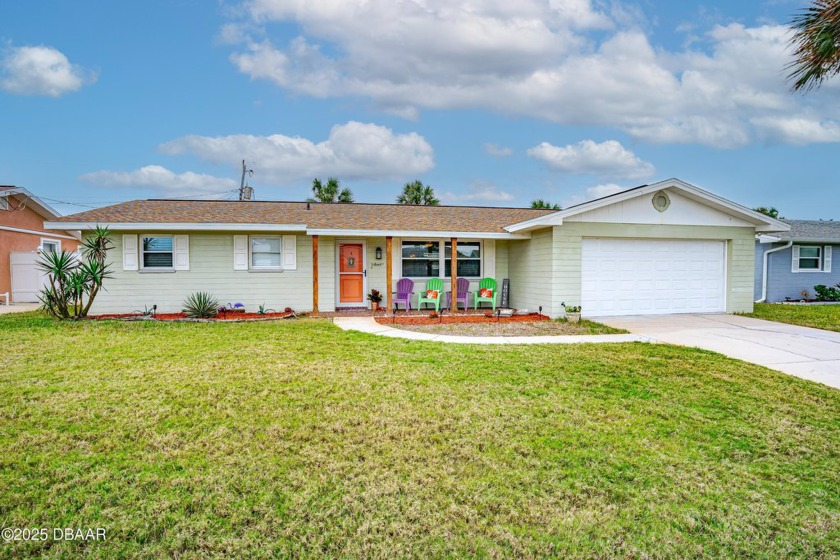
(801, 351)
(18, 307)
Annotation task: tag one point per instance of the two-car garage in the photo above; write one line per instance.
(652, 276)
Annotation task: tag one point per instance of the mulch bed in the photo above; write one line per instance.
(229, 317)
(450, 319)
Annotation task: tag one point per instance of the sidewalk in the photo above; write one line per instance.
(369, 325)
(18, 307)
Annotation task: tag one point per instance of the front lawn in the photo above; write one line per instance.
(293, 438)
(817, 316)
(555, 327)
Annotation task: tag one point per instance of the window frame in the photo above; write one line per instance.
(442, 257)
(141, 252)
(820, 258)
(56, 242)
(251, 265)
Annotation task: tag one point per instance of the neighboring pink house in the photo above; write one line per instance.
(22, 237)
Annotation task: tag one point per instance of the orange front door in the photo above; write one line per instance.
(351, 273)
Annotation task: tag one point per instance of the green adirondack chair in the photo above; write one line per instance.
(432, 284)
(486, 283)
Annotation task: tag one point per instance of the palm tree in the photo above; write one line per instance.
(331, 192)
(540, 203)
(816, 41)
(771, 211)
(418, 194)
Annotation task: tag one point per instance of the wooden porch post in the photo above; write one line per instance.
(389, 271)
(453, 277)
(314, 274)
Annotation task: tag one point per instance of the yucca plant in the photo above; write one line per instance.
(73, 282)
(201, 305)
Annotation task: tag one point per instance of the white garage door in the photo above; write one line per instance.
(646, 277)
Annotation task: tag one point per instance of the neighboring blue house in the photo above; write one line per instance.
(796, 260)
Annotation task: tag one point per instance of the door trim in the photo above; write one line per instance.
(338, 244)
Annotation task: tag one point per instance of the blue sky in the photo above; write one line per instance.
(490, 102)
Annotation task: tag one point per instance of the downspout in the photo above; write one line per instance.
(788, 245)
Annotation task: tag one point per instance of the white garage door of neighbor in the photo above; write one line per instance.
(27, 278)
(647, 277)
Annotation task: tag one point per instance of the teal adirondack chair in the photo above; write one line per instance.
(486, 283)
(432, 284)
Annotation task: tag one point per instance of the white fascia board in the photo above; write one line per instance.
(763, 238)
(36, 232)
(155, 226)
(43, 208)
(414, 233)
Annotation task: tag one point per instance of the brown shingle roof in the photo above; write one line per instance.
(389, 217)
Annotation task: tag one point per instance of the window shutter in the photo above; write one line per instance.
(130, 261)
(240, 252)
(181, 248)
(489, 258)
(827, 258)
(794, 260)
(289, 252)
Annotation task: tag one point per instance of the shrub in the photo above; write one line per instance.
(201, 305)
(73, 282)
(827, 293)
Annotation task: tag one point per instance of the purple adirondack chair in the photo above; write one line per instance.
(463, 290)
(405, 289)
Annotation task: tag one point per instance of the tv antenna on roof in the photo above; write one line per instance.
(245, 192)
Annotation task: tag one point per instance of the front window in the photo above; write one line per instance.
(810, 258)
(266, 253)
(469, 259)
(157, 252)
(424, 259)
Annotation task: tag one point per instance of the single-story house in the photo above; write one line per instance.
(668, 247)
(22, 238)
(791, 262)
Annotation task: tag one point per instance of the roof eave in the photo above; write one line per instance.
(174, 226)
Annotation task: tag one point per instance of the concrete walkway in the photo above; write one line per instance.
(369, 325)
(18, 307)
(801, 351)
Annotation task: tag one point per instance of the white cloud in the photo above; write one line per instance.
(607, 159)
(353, 151)
(799, 129)
(531, 58)
(160, 180)
(480, 191)
(591, 193)
(40, 70)
(497, 151)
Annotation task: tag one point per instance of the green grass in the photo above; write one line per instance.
(817, 316)
(293, 438)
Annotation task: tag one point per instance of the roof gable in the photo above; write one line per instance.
(695, 206)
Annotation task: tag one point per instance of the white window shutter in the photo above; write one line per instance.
(130, 261)
(181, 257)
(489, 258)
(827, 258)
(289, 252)
(240, 252)
(794, 260)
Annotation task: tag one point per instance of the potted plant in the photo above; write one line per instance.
(572, 313)
(375, 299)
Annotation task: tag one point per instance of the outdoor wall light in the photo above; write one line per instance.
(379, 253)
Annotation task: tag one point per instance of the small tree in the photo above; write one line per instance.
(418, 194)
(330, 192)
(74, 282)
(771, 211)
(540, 203)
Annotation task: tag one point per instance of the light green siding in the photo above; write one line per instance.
(531, 272)
(211, 270)
(502, 270)
(567, 256)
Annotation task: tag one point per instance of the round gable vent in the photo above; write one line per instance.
(661, 201)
